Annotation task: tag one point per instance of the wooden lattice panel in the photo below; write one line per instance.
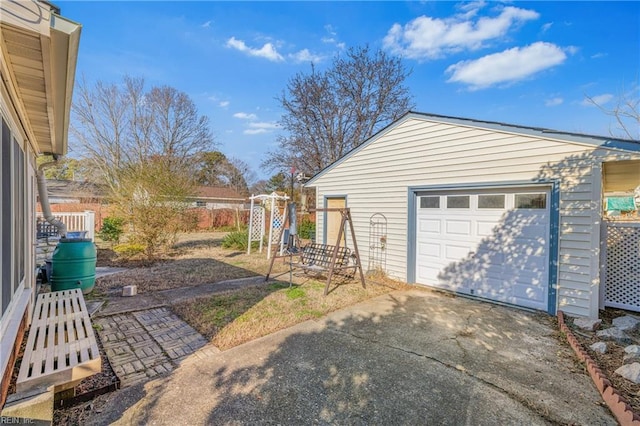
(256, 227)
(623, 266)
(277, 224)
(61, 347)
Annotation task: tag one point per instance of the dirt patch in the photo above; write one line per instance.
(196, 259)
(612, 359)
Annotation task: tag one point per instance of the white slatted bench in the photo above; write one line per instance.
(61, 347)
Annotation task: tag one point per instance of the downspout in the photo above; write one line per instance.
(44, 198)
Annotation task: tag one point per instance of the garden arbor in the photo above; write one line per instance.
(277, 205)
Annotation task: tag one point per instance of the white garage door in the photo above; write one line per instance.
(492, 244)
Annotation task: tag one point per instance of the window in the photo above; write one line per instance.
(491, 201)
(531, 201)
(458, 201)
(430, 202)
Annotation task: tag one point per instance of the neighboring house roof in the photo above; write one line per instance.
(218, 193)
(594, 140)
(74, 189)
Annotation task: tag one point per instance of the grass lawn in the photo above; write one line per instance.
(235, 317)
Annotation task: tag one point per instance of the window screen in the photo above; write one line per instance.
(531, 201)
(494, 201)
(432, 202)
(458, 201)
(6, 222)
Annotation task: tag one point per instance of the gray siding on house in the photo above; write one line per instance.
(420, 152)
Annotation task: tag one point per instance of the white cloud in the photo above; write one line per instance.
(597, 100)
(255, 131)
(554, 102)
(267, 51)
(245, 116)
(305, 55)
(598, 55)
(332, 37)
(546, 27)
(508, 66)
(206, 24)
(264, 125)
(258, 128)
(330, 30)
(428, 38)
(224, 104)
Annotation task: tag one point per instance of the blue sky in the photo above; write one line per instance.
(528, 63)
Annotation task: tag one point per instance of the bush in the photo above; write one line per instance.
(112, 229)
(307, 229)
(129, 250)
(238, 240)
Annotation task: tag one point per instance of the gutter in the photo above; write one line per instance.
(44, 198)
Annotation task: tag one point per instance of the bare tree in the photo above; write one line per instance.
(144, 145)
(329, 113)
(626, 113)
(119, 126)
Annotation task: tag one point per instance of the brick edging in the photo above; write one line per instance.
(616, 403)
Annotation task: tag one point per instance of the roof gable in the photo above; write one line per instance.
(543, 133)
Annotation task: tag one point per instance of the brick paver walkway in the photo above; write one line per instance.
(143, 344)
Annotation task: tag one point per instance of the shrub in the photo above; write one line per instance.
(129, 250)
(307, 229)
(237, 240)
(112, 229)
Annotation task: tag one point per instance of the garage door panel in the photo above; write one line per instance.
(430, 226)
(458, 227)
(428, 275)
(527, 295)
(456, 252)
(533, 232)
(498, 254)
(432, 250)
(485, 228)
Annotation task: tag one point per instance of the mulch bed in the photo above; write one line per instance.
(67, 411)
(612, 359)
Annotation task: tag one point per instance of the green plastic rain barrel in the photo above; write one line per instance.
(73, 265)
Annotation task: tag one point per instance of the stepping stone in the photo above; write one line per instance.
(632, 349)
(599, 347)
(614, 334)
(626, 323)
(631, 358)
(630, 372)
(587, 323)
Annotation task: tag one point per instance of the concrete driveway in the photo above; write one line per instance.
(416, 357)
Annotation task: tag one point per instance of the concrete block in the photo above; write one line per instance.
(587, 324)
(129, 290)
(35, 405)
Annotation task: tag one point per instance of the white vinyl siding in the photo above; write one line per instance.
(419, 152)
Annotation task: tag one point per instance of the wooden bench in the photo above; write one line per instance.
(61, 347)
(316, 257)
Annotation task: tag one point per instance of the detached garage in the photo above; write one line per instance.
(506, 213)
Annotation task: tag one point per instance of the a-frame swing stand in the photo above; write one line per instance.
(321, 258)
